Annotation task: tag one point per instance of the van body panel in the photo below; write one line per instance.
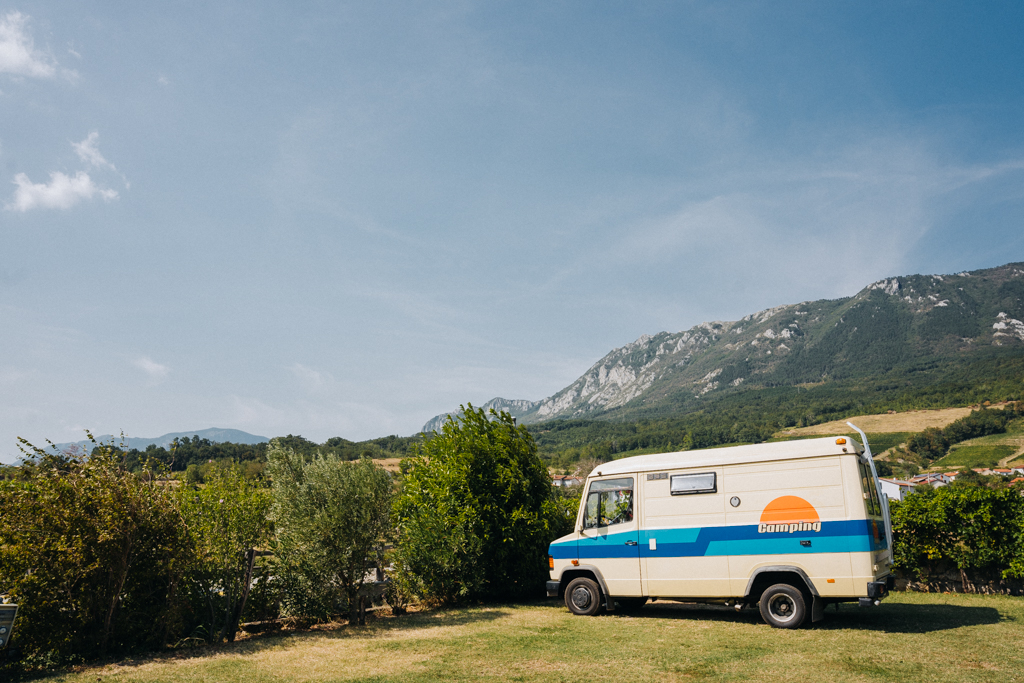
(704, 523)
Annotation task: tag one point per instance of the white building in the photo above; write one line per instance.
(895, 488)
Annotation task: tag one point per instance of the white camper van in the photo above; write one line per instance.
(790, 526)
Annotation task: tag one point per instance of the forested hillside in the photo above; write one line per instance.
(907, 342)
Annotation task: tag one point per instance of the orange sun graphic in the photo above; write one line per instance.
(789, 509)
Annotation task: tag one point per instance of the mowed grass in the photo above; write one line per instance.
(911, 637)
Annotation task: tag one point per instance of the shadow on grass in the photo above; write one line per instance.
(909, 618)
(887, 618)
(376, 626)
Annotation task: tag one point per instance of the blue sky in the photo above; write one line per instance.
(342, 219)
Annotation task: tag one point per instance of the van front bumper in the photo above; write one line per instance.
(552, 588)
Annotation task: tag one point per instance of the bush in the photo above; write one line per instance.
(331, 518)
(969, 526)
(93, 553)
(476, 512)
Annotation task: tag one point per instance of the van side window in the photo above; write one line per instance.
(609, 502)
(685, 484)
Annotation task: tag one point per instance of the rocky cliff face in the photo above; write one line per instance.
(892, 323)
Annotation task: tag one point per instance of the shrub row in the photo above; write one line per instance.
(105, 561)
(933, 443)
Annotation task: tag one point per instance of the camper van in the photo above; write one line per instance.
(790, 527)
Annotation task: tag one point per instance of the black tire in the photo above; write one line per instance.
(628, 605)
(783, 606)
(583, 597)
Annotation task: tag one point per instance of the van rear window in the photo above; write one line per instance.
(870, 489)
(684, 484)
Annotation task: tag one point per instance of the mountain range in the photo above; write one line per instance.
(141, 443)
(896, 325)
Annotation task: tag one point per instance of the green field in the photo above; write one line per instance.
(911, 637)
(980, 455)
(985, 451)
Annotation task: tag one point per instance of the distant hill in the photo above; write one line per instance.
(516, 408)
(892, 328)
(141, 443)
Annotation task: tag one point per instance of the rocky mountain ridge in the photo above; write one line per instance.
(893, 323)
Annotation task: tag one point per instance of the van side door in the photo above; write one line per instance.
(609, 536)
(683, 511)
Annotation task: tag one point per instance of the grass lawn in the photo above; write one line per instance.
(911, 637)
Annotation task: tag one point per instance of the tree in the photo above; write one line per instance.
(331, 516)
(475, 512)
(93, 552)
(227, 520)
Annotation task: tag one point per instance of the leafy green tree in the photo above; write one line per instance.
(475, 512)
(92, 552)
(331, 518)
(227, 520)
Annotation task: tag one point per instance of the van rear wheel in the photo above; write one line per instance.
(583, 597)
(783, 606)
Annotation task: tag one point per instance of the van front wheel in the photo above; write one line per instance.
(783, 606)
(583, 597)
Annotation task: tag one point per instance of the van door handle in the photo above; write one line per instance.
(630, 542)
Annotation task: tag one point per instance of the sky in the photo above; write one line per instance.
(341, 219)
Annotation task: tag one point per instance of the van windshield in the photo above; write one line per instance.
(609, 502)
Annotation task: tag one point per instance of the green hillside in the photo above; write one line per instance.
(921, 341)
(900, 343)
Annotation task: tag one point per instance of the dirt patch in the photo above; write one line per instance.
(911, 421)
(390, 464)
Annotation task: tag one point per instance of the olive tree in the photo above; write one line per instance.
(476, 512)
(331, 516)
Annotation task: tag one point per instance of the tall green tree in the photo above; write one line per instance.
(475, 511)
(331, 517)
(227, 521)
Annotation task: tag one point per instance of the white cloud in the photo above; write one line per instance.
(151, 367)
(89, 152)
(62, 192)
(18, 55)
(163, 80)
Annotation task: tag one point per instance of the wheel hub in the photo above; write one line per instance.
(782, 607)
(581, 598)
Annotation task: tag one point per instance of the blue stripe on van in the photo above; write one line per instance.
(835, 537)
(847, 536)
